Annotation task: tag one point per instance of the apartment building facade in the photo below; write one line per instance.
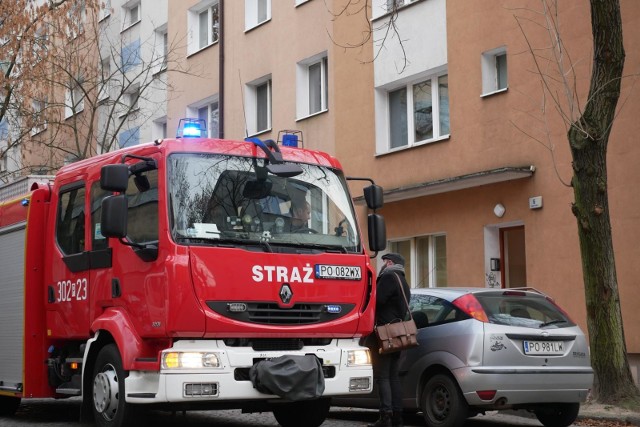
(475, 160)
(439, 101)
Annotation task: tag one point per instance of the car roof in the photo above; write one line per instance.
(453, 293)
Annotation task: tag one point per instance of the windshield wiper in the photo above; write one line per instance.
(552, 322)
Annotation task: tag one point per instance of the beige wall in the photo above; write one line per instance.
(494, 132)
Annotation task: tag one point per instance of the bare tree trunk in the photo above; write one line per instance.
(588, 139)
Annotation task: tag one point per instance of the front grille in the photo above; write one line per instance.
(270, 313)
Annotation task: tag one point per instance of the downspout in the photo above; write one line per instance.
(221, 71)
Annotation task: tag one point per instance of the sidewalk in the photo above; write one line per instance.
(599, 412)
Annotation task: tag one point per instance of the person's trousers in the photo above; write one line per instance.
(387, 379)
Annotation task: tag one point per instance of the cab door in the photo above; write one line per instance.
(68, 264)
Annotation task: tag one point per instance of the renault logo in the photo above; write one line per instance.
(285, 293)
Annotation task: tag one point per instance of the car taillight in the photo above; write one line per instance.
(486, 394)
(470, 305)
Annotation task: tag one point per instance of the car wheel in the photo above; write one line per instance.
(109, 406)
(442, 402)
(308, 413)
(558, 414)
(8, 405)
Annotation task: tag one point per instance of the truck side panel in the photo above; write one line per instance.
(12, 258)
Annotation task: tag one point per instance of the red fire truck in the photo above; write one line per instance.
(166, 275)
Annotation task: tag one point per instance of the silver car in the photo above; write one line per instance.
(490, 349)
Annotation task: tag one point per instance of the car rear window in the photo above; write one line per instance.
(522, 309)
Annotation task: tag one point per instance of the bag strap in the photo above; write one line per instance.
(404, 296)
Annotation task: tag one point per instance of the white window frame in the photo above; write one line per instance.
(159, 130)
(490, 71)
(128, 13)
(162, 47)
(193, 25)
(299, 2)
(73, 105)
(252, 11)
(303, 85)
(78, 7)
(411, 266)
(251, 101)
(105, 70)
(383, 111)
(105, 10)
(212, 105)
(38, 109)
(133, 99)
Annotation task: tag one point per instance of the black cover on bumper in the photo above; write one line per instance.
(290, 377)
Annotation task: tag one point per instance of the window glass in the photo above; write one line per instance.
(262, 10)
(315, 87)
(443, 96)
(501, 71)
(203, 27)
(398, 117)
(440, 257)
(142, 197)
(70, 221)
(98, 241)
(403, 247)
(520, 309)
(262, 106)
(423, 111)
(428, 310)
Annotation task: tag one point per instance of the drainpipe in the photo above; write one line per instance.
(221, 71)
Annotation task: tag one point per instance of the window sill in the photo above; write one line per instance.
(67, 117)
(398, 10)
(104, 17)
(260, 24)
(129, 113)
(159, 72)
(419, 144)
(260, 132)
(130, 26)
(195, 52)
(495, 92)
(37, 131)
(299, 119)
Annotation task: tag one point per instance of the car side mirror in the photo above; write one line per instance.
(373, 196)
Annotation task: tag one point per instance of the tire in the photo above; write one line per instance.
(442, 403)
(107, 391)
(8, 405)
(308, 413)
(557, 414)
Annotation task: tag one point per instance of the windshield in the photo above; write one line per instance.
(233, 200)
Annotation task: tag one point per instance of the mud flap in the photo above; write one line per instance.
(293, 378)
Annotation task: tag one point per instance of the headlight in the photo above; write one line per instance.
(358, 357)
(190, 360)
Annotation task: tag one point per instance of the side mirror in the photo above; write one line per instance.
(373, 196)
(377, 232)
(114, 216)
(114, 177)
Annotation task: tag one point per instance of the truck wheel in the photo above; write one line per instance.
(307, 413)
(109, 406)
(558, 414)
(8, 405)
(443, 405)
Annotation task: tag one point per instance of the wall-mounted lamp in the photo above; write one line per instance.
(494, 264)
(499, 210)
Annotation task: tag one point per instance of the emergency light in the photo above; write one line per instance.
(191, 128)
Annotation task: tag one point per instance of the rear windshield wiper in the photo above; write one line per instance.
(553, 322)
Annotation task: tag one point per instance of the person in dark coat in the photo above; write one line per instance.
(390, 306)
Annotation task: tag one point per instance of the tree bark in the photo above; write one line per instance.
(588, 139)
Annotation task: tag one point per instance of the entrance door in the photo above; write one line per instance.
(513, 254)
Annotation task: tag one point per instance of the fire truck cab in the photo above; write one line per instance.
(177, 274)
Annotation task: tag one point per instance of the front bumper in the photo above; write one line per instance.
(230, 381)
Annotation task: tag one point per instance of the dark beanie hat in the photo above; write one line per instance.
(394, 257)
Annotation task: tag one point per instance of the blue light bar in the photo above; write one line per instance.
(191, 128)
